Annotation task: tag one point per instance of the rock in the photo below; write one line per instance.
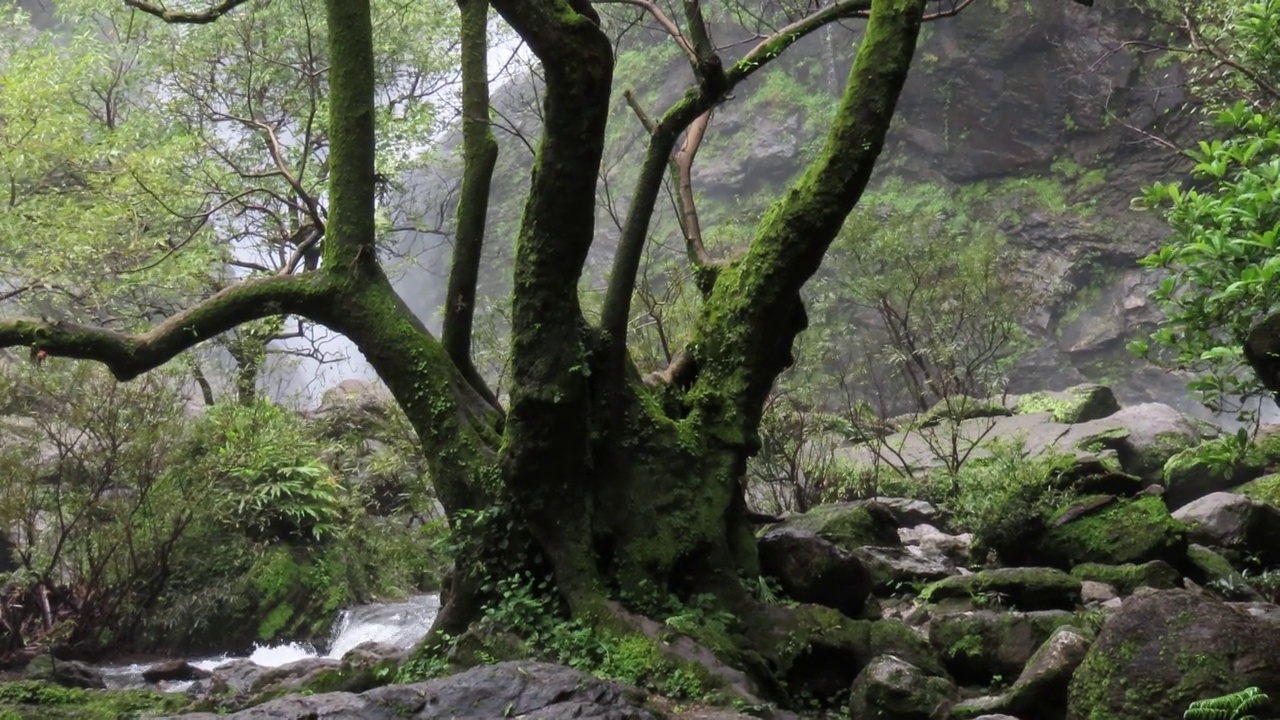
(1166, 648)
(1096, 593)
(68, 673)
(850, 525)
(1234, 523)
(909, 512)
(371, 653)
(238, 676)
(299, 674)
(1041, 690)
(890, 687)
(813, 570)
(894, 567)
(1145, 436)
(1214, 571)
(1129, 577)
(938, 544)
(1265, 489)
(174, 670)
(530, 690)
(1115, 532)
(1077, 404)
(1023, 588)
(979, 646)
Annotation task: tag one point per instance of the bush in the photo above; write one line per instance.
(1005, 499)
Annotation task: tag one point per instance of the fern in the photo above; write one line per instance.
(1228, 707)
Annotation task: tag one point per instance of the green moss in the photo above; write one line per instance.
(1109, 439)
(1129, 577)
(851, 525)
(1126, 531)
(1025, 588)
(1264, 489)
(978, 646)
(39, 700)
(1074, 405)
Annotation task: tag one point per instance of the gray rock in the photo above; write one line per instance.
(529, 690)
(978, 646)
(909, 512)
(1041, 690)
(893, 567)
(174, 670)
(890, 687)
(813, 570)
(1234, 523)
(1023, 588)
(937, 544)
(76, 674)
(1096, 593)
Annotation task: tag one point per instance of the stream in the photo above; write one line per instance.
(401, 624)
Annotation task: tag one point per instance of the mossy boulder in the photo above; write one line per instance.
(1129, 577)
(1022, 588)
(1218, 465)
(850, 525)
(1264, 489)
(1112, 531)
(812, 570)
(1206, 567)
(36, 700)
(1078, 404)
(979, 646)
(890, 687)
(1164, 649)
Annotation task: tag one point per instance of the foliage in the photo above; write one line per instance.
(1005, 498)
(1235, 706)
(1221, 258)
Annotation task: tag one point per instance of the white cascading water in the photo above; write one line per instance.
(401, 624)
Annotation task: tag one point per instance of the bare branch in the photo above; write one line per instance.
(196, 17)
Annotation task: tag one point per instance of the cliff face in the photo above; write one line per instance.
(1025, 115)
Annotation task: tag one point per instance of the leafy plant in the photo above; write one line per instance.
(1236, 706)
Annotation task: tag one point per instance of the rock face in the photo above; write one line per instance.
(1166, 648)
(536, 691)
(813, 570)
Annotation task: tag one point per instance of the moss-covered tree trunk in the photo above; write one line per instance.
(618, 489)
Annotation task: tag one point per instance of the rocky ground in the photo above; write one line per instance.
(1142, 594)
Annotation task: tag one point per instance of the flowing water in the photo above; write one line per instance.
(401, 624)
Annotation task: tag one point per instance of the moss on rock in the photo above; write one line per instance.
(1264, 489)
(1129, 577)
(1117, 533)
(1078, 404)
(43, 701)
(851, 525)
(977, 647)
(1023, 588)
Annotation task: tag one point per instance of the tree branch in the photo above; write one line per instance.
(196, 17)
(480, 156)
(128, 356)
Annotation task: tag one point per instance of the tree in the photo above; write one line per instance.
(1220, 296)
(614, 487)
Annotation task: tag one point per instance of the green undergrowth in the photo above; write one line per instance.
(34, 700)
(530, 621)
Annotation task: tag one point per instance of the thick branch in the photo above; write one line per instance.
(192, 17)
(349, 236)
(749, 322)
(480, 155)
(128, 356)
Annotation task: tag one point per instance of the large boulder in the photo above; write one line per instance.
(530, 690)
(1023, 588)
(1041, 690)
(812, 570)
(1112, 531)
(850, 525)
(1163, 649)
(1234, 523)
(68, 673)
(1208, 568)
(890, 687)
(895, 567)
(979, 646)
